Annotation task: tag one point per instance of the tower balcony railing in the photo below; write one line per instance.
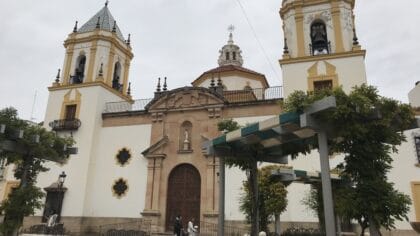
(253, 95)
(65, 124)
(231, 96)
(320, 50)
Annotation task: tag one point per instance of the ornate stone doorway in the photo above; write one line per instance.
(183, 195)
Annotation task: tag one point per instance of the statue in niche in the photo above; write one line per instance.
(186, 140)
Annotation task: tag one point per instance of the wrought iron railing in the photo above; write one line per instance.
(139, 227)
(210, 229)
(65, 125)
(252, 95)
(232, 97)
(312, 49)
(138, 105)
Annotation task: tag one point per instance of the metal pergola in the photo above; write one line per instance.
(276, 139)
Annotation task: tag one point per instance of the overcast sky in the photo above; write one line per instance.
(180, 39)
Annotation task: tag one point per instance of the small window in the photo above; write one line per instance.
(120, 188)
(321, 85)
(70, 112)
(234, 55)
(227, 56)
(417, 143)
(123, 156)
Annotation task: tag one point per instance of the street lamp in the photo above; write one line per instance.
(61, 179)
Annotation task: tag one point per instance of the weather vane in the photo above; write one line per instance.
(231, 28)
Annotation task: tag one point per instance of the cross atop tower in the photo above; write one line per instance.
(231, 28)
(106, 3)
(230, 54)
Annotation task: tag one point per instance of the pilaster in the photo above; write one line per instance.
(338, 32)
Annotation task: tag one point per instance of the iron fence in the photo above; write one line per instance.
(210, 229)
(139, 227)
(65, 124)
(252, 95)
(231, 96)
(138, 105)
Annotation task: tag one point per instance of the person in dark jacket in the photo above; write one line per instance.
(178, 226)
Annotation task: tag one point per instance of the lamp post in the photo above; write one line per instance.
(61, 179)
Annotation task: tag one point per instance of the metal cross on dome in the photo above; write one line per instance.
(231, 28)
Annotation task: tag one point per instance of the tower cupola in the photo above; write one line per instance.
(97, 54)
(321, 48)
(230, 54)
(102, 20)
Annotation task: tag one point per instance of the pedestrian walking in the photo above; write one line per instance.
(178, 226)
(192, 230)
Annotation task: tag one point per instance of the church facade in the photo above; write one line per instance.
(143, 159)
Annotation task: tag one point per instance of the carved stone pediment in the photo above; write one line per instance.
(186, 98)
(157, 149)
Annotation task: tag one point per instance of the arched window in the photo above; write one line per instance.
(116, 77)
(185, 140)
(319, 40)
(233, 55)
(79, 72)
(227, 56)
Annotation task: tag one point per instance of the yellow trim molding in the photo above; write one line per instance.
(315, 76)
(95, 37)
(92, 59)
(299, 32)
(323, 57)
(91, 84)
(126, 72)
(110, 65)
(415, 190)
(8, 188)
(67, 101)
(338, 32)
(295, 4)
(66, 72)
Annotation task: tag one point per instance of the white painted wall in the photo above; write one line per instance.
(105, 170)
(351, 71)
(414, 96)
(233, 82)
(404, 172)
(78, 167)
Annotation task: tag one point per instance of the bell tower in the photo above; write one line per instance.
(97, 53)
(321, 48)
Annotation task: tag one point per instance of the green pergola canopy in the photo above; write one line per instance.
(270, 140)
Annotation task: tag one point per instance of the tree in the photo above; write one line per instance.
(246, 164)
(28, 153)
(313, 200)
(272, 197)
(368, 128)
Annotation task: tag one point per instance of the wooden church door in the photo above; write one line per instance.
(183, 196)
